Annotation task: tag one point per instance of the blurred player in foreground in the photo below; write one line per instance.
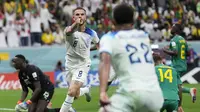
(78, 43)
(129, 52)
(168, 79)
(178, 49)
(32, 77)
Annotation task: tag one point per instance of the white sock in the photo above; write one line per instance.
(83, 91)
(71, 109)
(67, 104)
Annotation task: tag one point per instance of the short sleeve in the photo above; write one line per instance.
(105, 45)
(173, 45)
(95, 38)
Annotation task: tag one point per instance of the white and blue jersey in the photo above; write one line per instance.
(131, 58)
(78, 47)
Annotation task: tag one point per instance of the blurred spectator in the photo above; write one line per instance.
(2, 38)
(10, 16)
(45, 16)
(23, 29)
(12, 36)
(9, 6)
(92, 24)
(39, 15)
(58, 35)
(47, 37)
(156, 34)
(2, 17)
(166, 32)
(59, 66)
(100, 31)
(35, 28)
(67, 12)
(187, 31)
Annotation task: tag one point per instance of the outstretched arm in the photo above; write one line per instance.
(24, 91)
(170, 52)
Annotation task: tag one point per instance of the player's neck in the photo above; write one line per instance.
(81, 28)
(124, 27)
(24, 66)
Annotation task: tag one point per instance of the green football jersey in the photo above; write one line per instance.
(179, 44)
(167, 77)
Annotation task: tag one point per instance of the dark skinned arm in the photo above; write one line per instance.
(170, 52)
(24, 91)
(37, 91)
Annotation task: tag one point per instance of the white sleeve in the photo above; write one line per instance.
(95, 39)
(105, 45)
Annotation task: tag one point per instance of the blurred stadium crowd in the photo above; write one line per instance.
(41, 22)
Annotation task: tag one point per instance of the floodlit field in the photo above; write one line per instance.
(9, 98)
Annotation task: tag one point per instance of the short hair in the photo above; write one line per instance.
(179, 28)
(79, 8)
(157, 57)
(21, 57)
(123, 14)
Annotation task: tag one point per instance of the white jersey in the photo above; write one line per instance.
(131, 59)
(78, 48)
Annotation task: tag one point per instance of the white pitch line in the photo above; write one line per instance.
(8, 109)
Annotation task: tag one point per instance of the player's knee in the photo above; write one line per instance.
(72, 92)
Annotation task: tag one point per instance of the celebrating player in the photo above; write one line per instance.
(168, 79)
(32, 77)
(130, 53)
(78, 43)
(178, 49)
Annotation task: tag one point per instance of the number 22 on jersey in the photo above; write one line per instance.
(166, 75)
(133, 50)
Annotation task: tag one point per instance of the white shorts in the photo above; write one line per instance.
(138, 101)
(78, 74)
(112, 75)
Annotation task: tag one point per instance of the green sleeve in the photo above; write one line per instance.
(173, 45)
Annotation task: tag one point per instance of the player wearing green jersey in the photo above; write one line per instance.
(178, 49)
(168, 80)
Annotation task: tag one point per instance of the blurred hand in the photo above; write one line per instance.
(104, 99)
(23, 106)
(180, 109)
(68, 29)
(17, 108)
(166, 47)
(78, 21)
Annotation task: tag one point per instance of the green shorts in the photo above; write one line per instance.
(170, 106)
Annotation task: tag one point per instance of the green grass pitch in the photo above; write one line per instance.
(8, 99)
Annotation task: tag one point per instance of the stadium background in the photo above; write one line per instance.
(45, 47)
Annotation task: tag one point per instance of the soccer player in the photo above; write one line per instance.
(178, 49)
(32, 77)
(78, 43)
(168, 79)
(129, 52)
